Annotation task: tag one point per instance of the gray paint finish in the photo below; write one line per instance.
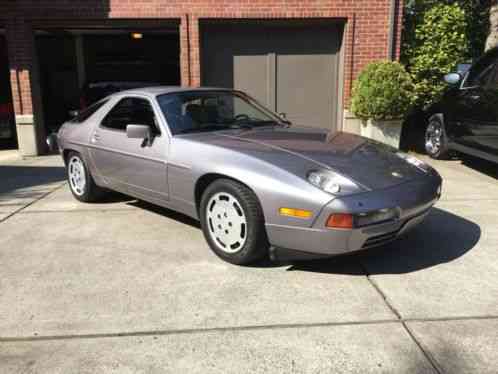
(290, 67)
(271, 160)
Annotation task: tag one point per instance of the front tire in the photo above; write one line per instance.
(233, 223)
(436, 140)
(80, 180)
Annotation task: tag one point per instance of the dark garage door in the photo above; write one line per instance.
(107, 56)
(292, 68)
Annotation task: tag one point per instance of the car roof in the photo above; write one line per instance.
(161, 90)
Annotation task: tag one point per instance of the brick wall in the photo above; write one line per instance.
(366, 32)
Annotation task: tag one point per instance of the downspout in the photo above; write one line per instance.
(391, 45)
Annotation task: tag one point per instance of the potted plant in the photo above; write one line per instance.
(381, 97)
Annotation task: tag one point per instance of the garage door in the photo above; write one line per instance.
(292, 68)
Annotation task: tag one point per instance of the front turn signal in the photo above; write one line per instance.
(340, 221)
(292, 212)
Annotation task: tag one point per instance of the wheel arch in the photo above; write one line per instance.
(439, 116)
(207, 179)
(65, 154)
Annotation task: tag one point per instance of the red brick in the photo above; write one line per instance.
(366, 22)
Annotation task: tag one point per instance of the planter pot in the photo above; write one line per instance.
(387, 132)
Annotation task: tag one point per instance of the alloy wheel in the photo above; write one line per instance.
(433, 137)
(227, 223)
(77, 176)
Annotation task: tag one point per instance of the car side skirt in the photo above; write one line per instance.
(473, 152)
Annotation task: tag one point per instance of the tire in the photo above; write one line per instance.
(436, 140)
(233, 223)
(80, 180)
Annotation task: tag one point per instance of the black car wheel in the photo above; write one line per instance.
(233, 223)
(436, 142)
(80, 180)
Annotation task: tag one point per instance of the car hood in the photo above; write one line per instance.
(368, 163)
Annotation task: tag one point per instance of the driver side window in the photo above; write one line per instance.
(131, 110)
(479, 76)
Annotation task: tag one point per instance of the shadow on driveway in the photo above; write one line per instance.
(171, 214)
(482, 166)
(441, 238)
(16, 181)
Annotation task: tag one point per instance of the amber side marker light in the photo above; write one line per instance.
(340, 221)
(299, 213)
(137, 35)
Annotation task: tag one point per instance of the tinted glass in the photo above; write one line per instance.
(492, 79)
(88, 112)
(199, 111)
(131, 110)
(479, 74)
(98, 90)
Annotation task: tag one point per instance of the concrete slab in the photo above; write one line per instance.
(447, 267)
(382, 348)
(114, 271)
(467, 180)
(460, 346)
(63, 200)
(9, 155)
(25, 181)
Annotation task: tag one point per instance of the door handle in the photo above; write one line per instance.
(474, 97)
(95, 137)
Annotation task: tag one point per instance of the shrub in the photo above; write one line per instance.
(438, 43)
(383, 91)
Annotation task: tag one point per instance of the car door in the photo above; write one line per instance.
(476, 118)
(132, 166)
(485, 129)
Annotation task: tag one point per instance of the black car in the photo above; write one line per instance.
(466, 119)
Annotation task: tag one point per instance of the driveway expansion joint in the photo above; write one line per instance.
(432, 361)
(193, 331)
(42, 196)
(10, 339)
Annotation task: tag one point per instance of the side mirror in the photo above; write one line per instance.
(73, 113)
(453, 78)
(52, 142)
(139, 132)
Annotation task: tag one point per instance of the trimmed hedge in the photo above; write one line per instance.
(382, 91)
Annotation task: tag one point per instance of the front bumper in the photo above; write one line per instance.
(413, 201)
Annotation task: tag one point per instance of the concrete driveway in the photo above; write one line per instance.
(125, 287)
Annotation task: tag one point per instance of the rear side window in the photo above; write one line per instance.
(131, 110)
(88, 112)
(492, 80)
(479, 78)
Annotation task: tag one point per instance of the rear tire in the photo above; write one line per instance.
(80, 180)
(436, 140)
(233, 223)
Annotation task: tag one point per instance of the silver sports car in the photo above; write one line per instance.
(256, 184)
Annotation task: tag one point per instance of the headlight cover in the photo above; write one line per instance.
(332, 183)
(414, 161)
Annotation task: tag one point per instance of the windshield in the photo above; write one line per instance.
(200, 111)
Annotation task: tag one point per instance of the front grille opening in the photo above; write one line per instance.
(377, 240)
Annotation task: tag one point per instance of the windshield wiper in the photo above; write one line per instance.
(245, 126)
(202, 129)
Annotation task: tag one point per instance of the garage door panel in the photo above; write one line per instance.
(250, 74)
(305, 85)
(290, 67)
